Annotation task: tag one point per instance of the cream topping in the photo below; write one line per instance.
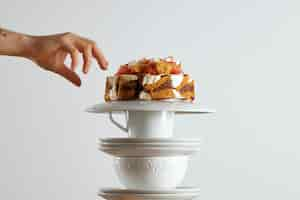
(177, 94)
(150, 79)
(176, 79)
(145, 95)
(132, 63)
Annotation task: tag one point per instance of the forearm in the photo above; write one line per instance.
(14, 44)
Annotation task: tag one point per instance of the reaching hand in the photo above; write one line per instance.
(50, 52)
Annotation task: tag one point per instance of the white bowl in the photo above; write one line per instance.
(151, 173)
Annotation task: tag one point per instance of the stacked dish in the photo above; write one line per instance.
(150, 162)
(180, 193)
(149, 147)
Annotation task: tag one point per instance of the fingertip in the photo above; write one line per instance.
(69, 75)
(76, 82)
(101, 60)
(85, 70)
(103, 65)
(87, 56)
(86, 67)
(106, 63)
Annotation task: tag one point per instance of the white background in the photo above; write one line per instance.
(244, 56)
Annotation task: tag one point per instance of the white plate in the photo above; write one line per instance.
(148, 140)
(178, 107)
(132, 147)
(178, 190)
(150, 145)
(140, 151)
(176, 194)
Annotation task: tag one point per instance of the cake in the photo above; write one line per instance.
(150, 79)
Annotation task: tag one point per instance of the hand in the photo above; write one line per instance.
(50, 52)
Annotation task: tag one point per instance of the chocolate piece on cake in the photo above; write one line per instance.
(127, 87)
(122, 87)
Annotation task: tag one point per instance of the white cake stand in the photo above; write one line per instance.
(148, 119)
(179, 107)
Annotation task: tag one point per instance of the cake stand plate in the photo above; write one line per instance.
(140, 151)
(149, 141)
(180, 193)
(179, 107)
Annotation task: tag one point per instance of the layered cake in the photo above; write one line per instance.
(150, 79)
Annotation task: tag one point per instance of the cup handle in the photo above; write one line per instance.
(120, 126)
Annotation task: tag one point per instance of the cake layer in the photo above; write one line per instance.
(123, 87)
(149, 87)
(153, 66)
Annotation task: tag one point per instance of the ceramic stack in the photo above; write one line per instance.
(149, 161)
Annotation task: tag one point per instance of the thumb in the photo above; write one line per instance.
(71, 76)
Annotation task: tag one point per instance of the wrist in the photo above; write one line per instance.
(26, 47)
(13, 43)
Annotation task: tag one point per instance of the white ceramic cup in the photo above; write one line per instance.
(147, 124)
(151, 173)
